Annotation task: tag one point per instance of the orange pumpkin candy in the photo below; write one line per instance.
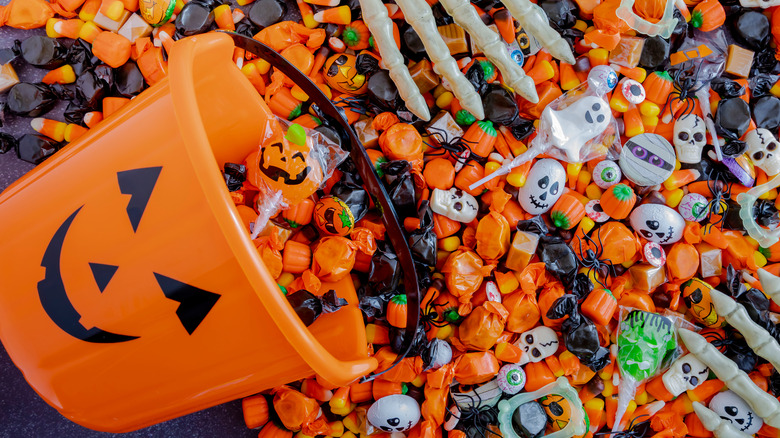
(333, 217)
(285, 163)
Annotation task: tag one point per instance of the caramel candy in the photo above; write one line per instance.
(627, 52)
(111, 25)
(522, 250)
(711, 261)
(135, 27)
(455, 38)
(424, 76)
(739, 61)
(443, 129)
(647, 277)
(366, 133)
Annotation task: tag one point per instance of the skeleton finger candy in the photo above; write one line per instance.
(686, 373)
(657, 223)
(455, 204)
(732, 408)
(762, 150)
(543, 186)
(537, 344)
(394, 413)
(690, 136)
(647, 159)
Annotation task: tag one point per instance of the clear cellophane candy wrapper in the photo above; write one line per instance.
(290, 165)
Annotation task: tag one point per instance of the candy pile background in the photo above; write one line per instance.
(613, 273)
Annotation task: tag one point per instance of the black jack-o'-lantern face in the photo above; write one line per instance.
(342, 75)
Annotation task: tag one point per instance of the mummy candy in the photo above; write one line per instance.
(647, 159)
(657, 223)
(690, 136)
(686, 373)
(762, 150)
(455, 204)
(537, 344)
(732, 408)
(572, 127)
(394, 413)
(543, 186)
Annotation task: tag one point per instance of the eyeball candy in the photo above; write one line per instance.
(657, 223)
(602, 79)
(606, 174)
(647, 159)
(543, 186)
(633, 91)
(693, 207)
(394, 413)
(511, 378)
(654, 254)
(594, 212)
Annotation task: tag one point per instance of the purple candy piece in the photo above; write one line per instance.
(744, 176)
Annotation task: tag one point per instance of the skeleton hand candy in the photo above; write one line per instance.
(419, 15)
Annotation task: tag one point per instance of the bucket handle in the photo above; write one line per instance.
(370, 180)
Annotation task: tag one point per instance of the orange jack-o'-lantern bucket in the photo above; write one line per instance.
(132, 293)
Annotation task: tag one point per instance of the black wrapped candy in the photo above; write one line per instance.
(309, 307)
(128, 80)
(35, 148)
(32, 100)
(382, 90)
(43, 52)
(766, 112)
(500, 106)
(751, 28)
(654, 53)
(194, 18)
(732, 119)
(92, 87)
(355, 196)
(7, 142)
(265, 13)
(235, 175)
(422, 241)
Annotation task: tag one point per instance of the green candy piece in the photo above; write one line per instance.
(644, 341)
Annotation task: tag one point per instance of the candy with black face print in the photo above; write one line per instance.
(394, 413)
(647, 159)
(657, 223)
(543, 186)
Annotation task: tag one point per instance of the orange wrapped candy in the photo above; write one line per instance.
(295, 409)
(473, 368)
(463, 272)
(286, 33)
(523, 311)
(613, 239)
(402, 142)
(483, 326)
(682, 262)
(333, 258)
(26, 14)
(492, 236)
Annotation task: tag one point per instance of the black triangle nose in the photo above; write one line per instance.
(543, 196)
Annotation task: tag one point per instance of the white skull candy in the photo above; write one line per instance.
(537, 344)
(575, 125)
(455, 204)
(686, 373)
(690, 136)
(543, 186)
(394, 413)
(732, 408)
(762, 150)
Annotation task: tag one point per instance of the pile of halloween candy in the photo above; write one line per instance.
(596, 250)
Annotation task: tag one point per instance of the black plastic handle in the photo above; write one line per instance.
(370, 179)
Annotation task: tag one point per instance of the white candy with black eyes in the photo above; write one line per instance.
(606, 174)
(731, 407)
(394, 413)
(537, 344)
(657, 223)
(572, 127)
(647, 159)
(762, 150)
(685, 374)
(455, 204)
(690, 136)
(543, 186)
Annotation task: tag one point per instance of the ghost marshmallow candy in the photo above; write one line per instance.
(455, 204)
(537, 344)
(657, 223)
(543, 186)
(686, 373)
(762, 150)
(394, 413)
(690, 136)
(606, 174)
(572, 127)
(647, 159)
(731, 407)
